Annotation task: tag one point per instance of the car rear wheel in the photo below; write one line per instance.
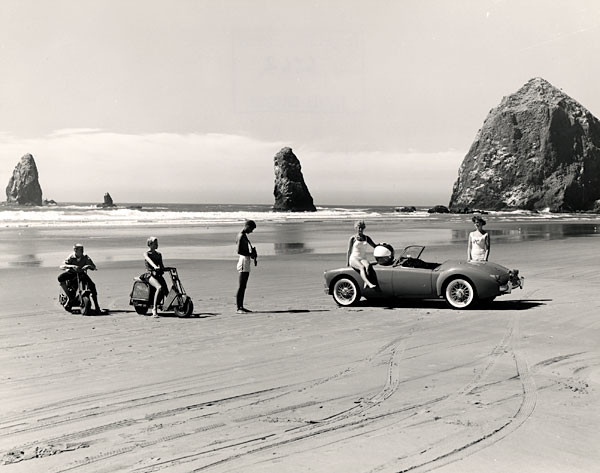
(460, 293)
(346, 292)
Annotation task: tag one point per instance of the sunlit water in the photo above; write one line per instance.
(43, 236)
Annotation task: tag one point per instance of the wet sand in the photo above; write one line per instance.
(300, 385)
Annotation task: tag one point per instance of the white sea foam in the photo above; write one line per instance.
(82, 216)
(89, 215)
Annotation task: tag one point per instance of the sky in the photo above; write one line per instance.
(190, 100)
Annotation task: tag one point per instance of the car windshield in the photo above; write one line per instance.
(413, 251)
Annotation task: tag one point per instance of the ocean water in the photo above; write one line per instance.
(43, 236)
(126, 215)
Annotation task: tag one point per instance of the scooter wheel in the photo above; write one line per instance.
(141, 309)
(64, 301)
(186, 309)
(86, 306)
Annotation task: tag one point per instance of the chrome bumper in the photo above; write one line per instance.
(514, 283)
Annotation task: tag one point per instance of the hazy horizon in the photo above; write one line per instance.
(189, 101)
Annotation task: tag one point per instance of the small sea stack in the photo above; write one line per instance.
(291, 193)
(108, 202)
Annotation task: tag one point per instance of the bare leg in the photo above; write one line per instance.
(362, 266)
(156, 285)
(95, 299)
(242, 290)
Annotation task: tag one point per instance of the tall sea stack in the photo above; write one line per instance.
(24, 187)
(291, 193)
(539, 149)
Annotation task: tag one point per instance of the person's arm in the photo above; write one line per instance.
(350, 243)
(487, 246)
(242, 245)
(469, 248)
(89, 264)
(370, 242)
(67, 265)
(150, 262)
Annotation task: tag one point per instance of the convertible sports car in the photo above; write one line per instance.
(460, 283)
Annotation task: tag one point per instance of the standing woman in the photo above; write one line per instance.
(478, 248)
(246, 253)
(155, 269)
(357, 252)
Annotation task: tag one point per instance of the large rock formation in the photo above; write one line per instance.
(538, 149)
(290, 190)
(24, 187)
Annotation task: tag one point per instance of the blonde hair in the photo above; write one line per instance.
(360, 224)
(151, 240)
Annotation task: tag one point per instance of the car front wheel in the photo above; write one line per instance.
(460, 293)
(346, 292)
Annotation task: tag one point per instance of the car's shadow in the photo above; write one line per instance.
(520, 304)
(288, 311)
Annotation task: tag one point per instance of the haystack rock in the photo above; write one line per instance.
(539, 149)
(290, 191)
(24, 187)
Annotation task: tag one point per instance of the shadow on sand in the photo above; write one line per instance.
(521, 304)
(166, 315)
(288, 311)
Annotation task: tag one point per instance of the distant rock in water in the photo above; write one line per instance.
(438, 209)
(24, 187)
(49, 202)
(108, 202)
(538, 149)
(408, 209)
(290, 191)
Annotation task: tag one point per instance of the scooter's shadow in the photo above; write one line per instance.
(166, 315)
(202, 315)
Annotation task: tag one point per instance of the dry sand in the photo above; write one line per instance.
(301, 385)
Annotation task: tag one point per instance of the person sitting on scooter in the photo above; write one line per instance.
(77, 262)
(155, 268)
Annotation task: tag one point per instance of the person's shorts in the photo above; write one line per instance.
(243, 265)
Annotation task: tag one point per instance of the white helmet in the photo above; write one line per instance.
(384, 254)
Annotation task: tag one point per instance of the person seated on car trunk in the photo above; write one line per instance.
(357, 252)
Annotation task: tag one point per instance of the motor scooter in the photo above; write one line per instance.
(78, 295)
(142, 296)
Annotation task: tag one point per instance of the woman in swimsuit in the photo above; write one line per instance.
(154, 271)
(478, 248)
(357, 252)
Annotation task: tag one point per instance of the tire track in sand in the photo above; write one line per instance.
(344, 419)
(452, 450)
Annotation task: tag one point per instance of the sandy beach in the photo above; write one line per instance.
(299, 385)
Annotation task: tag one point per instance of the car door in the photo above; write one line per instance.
(412, 282)
(384, 279)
